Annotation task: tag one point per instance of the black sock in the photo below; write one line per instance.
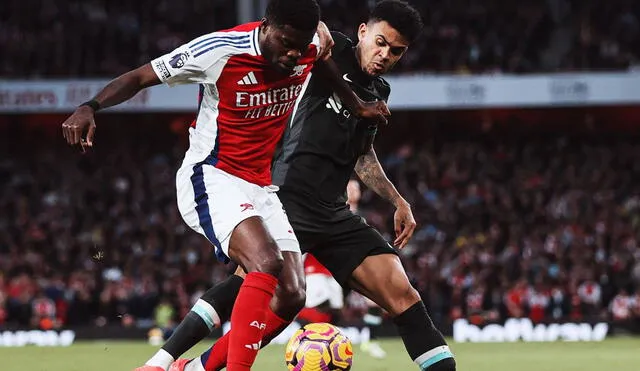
(420, 336)
(197, 324)
(373, 319)
(189, 332)
(223, 295)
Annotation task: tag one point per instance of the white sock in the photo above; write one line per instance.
(161, 359)
(194, 365)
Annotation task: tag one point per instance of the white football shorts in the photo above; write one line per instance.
(213, 202)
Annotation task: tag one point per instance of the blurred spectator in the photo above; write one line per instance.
(590, 294)
(3, 300)
(509, 225)
(43, 312)
(621, 307)
(100, 38)
(164, 314)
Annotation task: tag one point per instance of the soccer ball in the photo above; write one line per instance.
(319, 347)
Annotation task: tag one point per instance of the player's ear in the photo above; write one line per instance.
(362, 31)
(264, 23)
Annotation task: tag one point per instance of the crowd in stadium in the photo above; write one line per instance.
(90, 38)
(540, 228)
(507, 227)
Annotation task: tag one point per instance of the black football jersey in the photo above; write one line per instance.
(323, 140)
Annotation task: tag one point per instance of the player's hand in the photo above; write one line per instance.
(404, 225)
(376, 111)
(80, 122)
(326, 41)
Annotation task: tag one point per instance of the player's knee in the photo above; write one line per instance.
(271, 264)
(447, 364)
(411, 297)
(403, 300)
(290, 297)
(265, 259)
(293, 296)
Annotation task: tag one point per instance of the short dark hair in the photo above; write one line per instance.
(302, 15)
(400, 15)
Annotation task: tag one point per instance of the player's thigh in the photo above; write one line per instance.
(280, 229)
(349, 242)
(277, 222)
(383, 279)
(292, 280)
(253, 248)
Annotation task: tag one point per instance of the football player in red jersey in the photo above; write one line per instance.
(322, 146)
(249, 77)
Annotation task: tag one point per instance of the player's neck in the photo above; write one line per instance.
(359, 58)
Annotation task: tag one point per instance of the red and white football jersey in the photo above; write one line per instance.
(244, 101)
(538, 302)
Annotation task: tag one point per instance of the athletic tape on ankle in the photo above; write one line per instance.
(205, 311)
(433, 356)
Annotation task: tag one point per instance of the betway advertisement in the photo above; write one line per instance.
(37, 338)
(419, 91)
(522, 329)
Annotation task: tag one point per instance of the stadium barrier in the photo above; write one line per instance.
(418, 91)
(461, 330)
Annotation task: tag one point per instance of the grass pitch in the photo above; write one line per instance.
(622, 354)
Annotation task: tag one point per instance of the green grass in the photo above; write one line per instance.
(621, 354)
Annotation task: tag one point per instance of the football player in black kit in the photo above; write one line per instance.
(323, 145)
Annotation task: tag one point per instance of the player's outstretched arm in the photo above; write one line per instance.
(374, 111)
(119, 90)
(371, 173)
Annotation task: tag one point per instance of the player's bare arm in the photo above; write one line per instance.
(371, 173)
(374, 111)
(119, 90)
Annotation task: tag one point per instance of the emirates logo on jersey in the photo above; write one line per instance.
(273, 102)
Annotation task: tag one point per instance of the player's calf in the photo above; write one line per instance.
(382, 279)
(289, 295)
(252, 247)
(424, 343)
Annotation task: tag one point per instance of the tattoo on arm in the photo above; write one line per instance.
(371, 173)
